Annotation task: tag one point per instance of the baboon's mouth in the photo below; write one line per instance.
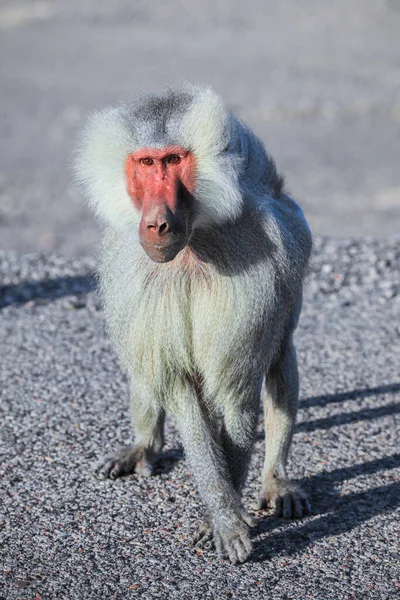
(162, 253)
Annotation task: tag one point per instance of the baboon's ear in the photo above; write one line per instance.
(99, 165)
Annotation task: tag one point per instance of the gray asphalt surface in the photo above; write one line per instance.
(67, 535)
(320, 83)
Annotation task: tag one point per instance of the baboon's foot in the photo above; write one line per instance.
(126, 460)
(286, 498)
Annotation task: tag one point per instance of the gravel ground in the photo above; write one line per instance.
(67, 535)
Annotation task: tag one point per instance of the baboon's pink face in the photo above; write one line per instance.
(160, 183)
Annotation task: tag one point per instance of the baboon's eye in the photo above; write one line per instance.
(174, 160)
(147, 161)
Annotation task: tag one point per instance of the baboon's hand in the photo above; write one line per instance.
(124, 461)
(204, 536)
(233, 542)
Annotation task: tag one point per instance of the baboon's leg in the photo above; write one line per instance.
(237, 438)
(206, 457)
(280, 408)
(149, 440)
(238, 434)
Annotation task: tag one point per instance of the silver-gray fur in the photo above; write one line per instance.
(199, 335)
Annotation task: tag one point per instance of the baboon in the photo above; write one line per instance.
(203, 260)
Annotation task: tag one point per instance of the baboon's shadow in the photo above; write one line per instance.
(168, 459)
(336, 514)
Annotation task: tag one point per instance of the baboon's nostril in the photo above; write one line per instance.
(163, 228)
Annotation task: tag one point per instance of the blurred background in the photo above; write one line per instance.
(318, 81)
